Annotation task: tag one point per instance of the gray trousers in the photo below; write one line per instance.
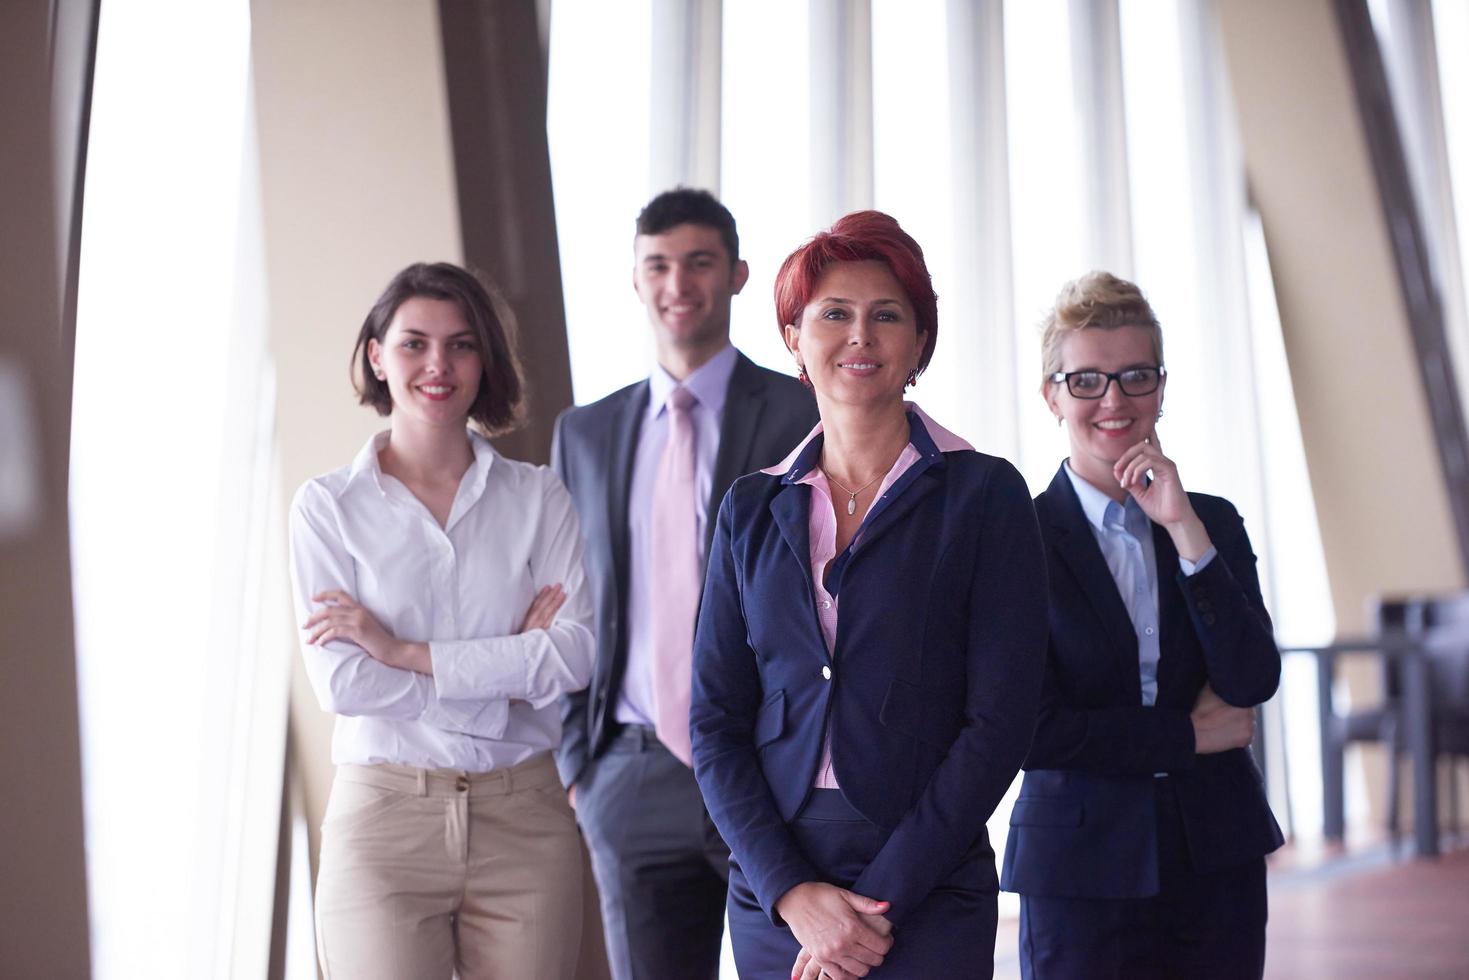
(661, 867)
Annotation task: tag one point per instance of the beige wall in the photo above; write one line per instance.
(1380, 494)
(43, 896)
(357, 181)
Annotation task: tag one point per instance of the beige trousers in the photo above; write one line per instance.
(428, 873)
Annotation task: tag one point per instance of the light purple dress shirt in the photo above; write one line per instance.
(822, 528)
(709, 385)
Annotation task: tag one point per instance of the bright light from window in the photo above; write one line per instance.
(1165, 232)
(598, 97)
(766, 157)
(1046, 206)
(912, 172)
(155, 309)
(1451, 33)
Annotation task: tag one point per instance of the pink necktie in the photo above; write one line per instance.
(675, 578)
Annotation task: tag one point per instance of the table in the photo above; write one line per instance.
(1416, 720)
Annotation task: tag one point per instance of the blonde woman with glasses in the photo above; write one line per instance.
(1138, 841)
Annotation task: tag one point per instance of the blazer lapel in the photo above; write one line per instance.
(1075, 543)
(791, 508)
(910, 491)
(621, 449)
(743, 406)
(1173, 621)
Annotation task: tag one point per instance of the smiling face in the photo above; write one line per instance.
(686, 279)
(1101, 429)
(431, 361)
(858, 338)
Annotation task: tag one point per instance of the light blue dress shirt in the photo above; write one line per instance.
(1125, 535)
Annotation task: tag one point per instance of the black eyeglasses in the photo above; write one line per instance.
(1133, 381)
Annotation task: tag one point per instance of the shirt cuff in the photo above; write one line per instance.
(482, 719)
(474, 670)
(1190, 567)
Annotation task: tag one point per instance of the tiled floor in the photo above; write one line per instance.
(1348, 916)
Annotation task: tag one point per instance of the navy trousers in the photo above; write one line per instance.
(951, 934)
(1198, 926)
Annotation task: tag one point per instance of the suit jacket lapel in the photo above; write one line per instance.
(1075, 543)
(1173, 622)
(743, 406)
(791, 508)
(621, 450)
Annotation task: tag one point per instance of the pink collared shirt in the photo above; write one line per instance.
(822, 530)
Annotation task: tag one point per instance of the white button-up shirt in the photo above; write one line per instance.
(464, 589)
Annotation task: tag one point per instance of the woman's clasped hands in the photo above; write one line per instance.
(842, 935)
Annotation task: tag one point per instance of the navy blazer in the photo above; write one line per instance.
(766, 414)
(1085, 822)
(931, 693)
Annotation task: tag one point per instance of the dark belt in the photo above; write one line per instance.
(637, 738)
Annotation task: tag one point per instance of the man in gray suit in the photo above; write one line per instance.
(647, 467)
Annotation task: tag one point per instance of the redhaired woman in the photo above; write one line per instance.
(869, 650)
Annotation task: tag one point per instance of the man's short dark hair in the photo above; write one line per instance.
(497, 407)
(690, 206)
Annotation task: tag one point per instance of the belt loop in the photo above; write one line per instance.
(509, 780)
(422, 775)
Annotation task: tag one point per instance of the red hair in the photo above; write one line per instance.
(862, 236)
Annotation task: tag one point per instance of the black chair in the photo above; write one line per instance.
(1393, 620)
(1443, 634)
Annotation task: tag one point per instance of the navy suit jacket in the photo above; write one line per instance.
(1085, 823)
(932, 691)
(766, 415)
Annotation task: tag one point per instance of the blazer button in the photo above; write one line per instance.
(825, 672)
(1209, 619)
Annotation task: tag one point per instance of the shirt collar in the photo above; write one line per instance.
(924, 434)
(1095, 503)
(365, 464)
(709, 383)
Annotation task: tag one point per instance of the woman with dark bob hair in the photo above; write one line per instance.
(444, 612)
(1139, 838)
(869, 650)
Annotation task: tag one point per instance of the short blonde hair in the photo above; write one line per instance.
(1100, 301)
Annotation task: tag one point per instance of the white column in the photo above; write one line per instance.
(982, 245)
(685, 65)
(841, 109)
(1096, 71)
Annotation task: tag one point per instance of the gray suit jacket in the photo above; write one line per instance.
(765, 415)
